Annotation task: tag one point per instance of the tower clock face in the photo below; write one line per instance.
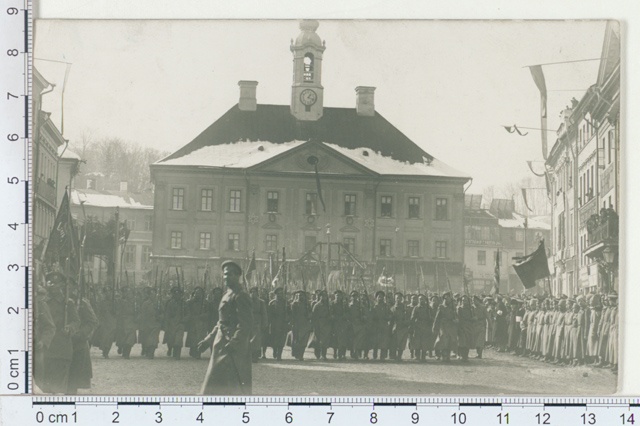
(308, 97)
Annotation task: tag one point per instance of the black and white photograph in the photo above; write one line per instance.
(327, 207)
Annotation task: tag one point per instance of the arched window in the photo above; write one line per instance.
(308, 67)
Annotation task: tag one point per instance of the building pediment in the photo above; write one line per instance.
(305, 158)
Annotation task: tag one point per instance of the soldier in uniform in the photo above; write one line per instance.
(300, 325)
(340, 325)
(197, 321)
(480, 316)
(44, 330)
(106, 333)
(174, 323)
(466, 322)
(126, 324)
(400, 320)
(57, 359)
(260, 323)
(421, 324)
(149, 323)
(80, 371)
(278, 315)
(321, 322)
(358, 321)
(381, 332)
(444, 325)
(229, 371)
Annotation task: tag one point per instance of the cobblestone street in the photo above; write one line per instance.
(496, 374)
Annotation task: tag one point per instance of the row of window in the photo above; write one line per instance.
(132, 224)
(129, 256)
(310, 242)
(311, 203)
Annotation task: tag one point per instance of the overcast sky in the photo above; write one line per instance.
(448, 85)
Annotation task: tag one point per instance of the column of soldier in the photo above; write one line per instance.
(566, 331)
(355, 326)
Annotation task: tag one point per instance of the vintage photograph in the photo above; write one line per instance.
(326, 207)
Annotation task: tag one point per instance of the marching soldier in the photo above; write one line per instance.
(278, 317)
(321, 322)
(197, 321)
(300, 325)
(400, 320)
(126, 324)
(149, 323)
(380, 329)
(260, 323)
(174, 323)
(340, 325)
(80, 371)
(421, 325)
(444, 325)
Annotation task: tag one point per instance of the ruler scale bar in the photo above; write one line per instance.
(559, 404)
(139, 403)
(240, 404)
(26, 202)
(480, 404)
(310, 404)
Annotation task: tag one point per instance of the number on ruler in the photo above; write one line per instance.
(459, 418)
(12, 11)
(12, 52)
(288, 417)
(588, 419)
(628, 419)
(245, 417)
(116, 417)
(200, 418)
(13, 267)
(11, 95)
(158, 417)
(415, 418)
(13, 137)
(373, 419)
(503, 418)
(330, 413)
(13, 180)
(543, 418)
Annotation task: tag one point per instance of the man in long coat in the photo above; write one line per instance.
(400, 320)
(149, 321)
(174, 323)
(197, 320)
(340, 325)
(80, 371)
(44, 330)
(380, 330)
(229, 371)
(57, 360)
(421, 324)
(126, 321)
(466, 339)
(300, 325)
(278, 316)
(260, 323)
(321, 322)
(445, 326)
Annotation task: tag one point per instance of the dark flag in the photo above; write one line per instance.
(318, 188)
(532, 267)
(63, 240)
(496, 273)
(538, 78)
(252, 265)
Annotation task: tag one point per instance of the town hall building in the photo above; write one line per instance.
(329, 189)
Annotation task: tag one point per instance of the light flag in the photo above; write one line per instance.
(538, 78)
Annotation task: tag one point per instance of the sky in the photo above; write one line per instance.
(447, 85)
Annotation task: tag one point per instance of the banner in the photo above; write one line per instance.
(538, 78)
(532, 267)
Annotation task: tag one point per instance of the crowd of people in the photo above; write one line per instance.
(383, 325)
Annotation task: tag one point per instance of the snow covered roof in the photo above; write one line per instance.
(517, 221)
(240, 154)
(244, 154)
(385, 165)
(277, 130)
(112, 199)
(67, 153)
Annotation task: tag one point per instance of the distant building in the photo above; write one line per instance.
(584, 166)
(499, 229)
(47, 140)
(136, 210)
(251, 181)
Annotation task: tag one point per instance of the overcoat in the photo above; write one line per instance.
(445, 326)
(229, 371)
(80, 371)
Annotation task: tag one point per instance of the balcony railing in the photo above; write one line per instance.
(603, 230)
(46, 190)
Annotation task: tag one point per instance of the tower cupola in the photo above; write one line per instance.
(306, 90)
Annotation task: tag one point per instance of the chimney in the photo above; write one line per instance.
(364, 101)
(247, 95)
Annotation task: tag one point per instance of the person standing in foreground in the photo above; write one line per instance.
(229, 371)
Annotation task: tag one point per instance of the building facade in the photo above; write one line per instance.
(584, 169)
(334, 187)
(500, 231)
(135, 211)
(47, 139)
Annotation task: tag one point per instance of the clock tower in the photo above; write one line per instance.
(307, 90)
